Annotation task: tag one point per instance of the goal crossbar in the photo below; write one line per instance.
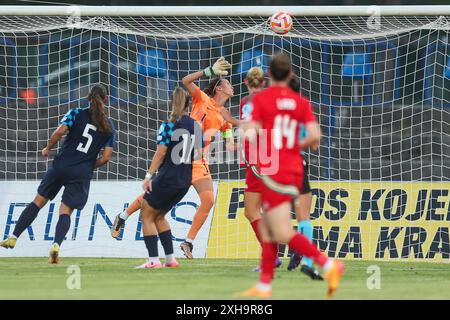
(397, 10)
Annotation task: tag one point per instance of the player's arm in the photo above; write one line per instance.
(249, 129)
(227, 116)
(162, 143)
(312, 139)
(158, 158)
(227, 135)
(108, 148)
(218, 69)
(312, 127)
(55, 137)
(104, 158)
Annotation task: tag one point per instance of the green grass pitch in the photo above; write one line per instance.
(34, 278)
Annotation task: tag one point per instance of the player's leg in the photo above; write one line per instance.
(26, 218)
(302, 207)
(278, 221)
(252, 211)
(252, 208)
(165, 236)
(202, 182)
(263, 289)
(119, 221)
(252, 202)
(148, 217)
(48, 189)
(173, 197)
(75, 196)
(62, 227)
(282, 232)
(302, 210)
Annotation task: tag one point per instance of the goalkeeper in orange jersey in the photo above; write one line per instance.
(207, 108)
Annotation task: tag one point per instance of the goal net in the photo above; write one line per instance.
(379, 85)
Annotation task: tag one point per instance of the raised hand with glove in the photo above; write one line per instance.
(219, 68)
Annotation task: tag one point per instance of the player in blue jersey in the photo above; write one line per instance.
(169, 177)
(302, 209)
(89, 130)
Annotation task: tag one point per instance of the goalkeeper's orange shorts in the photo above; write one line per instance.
(200, 170)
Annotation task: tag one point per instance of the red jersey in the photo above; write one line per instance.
(280, 111)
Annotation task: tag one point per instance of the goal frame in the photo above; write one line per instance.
(75, 10)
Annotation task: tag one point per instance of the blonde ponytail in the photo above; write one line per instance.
(180, 103)
(255, 77)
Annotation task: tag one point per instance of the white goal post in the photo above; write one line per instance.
(378, 78)
(230, 11)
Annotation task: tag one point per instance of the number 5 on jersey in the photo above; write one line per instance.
(88, 136)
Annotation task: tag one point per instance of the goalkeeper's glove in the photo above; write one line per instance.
(218, 69)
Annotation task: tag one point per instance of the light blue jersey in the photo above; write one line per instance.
(302, 136)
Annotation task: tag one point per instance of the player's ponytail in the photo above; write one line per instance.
(255, 77)
(212, 86)
(97, 109)
(180, 103)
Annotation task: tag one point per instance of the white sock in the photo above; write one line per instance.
(13, 236)
(189, 240)
(123, 215)
(169, 257)
(328, 265)
(263, 286)
(154, 259)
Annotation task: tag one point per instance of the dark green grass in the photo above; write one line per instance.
(34, 278)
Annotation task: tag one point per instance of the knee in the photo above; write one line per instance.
(40, 201)
(282, 236)
(207, 199)
(146, 216)
(160, 218)
(251, 215)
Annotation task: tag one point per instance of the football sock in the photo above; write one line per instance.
(26, 218)
(263, 286)
(303, 246)
(327, 266)
(151, 242)
(154, 259)
(305, 227)
(170, 257)
(189, 240)
(269, 254)
(62, 227)
(166, 241)
(206, 197)
(255, 226)
(134, 206)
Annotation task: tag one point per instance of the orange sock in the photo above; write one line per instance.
(206, 203)
(135, 205)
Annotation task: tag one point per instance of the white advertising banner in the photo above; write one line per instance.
(89, 234)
